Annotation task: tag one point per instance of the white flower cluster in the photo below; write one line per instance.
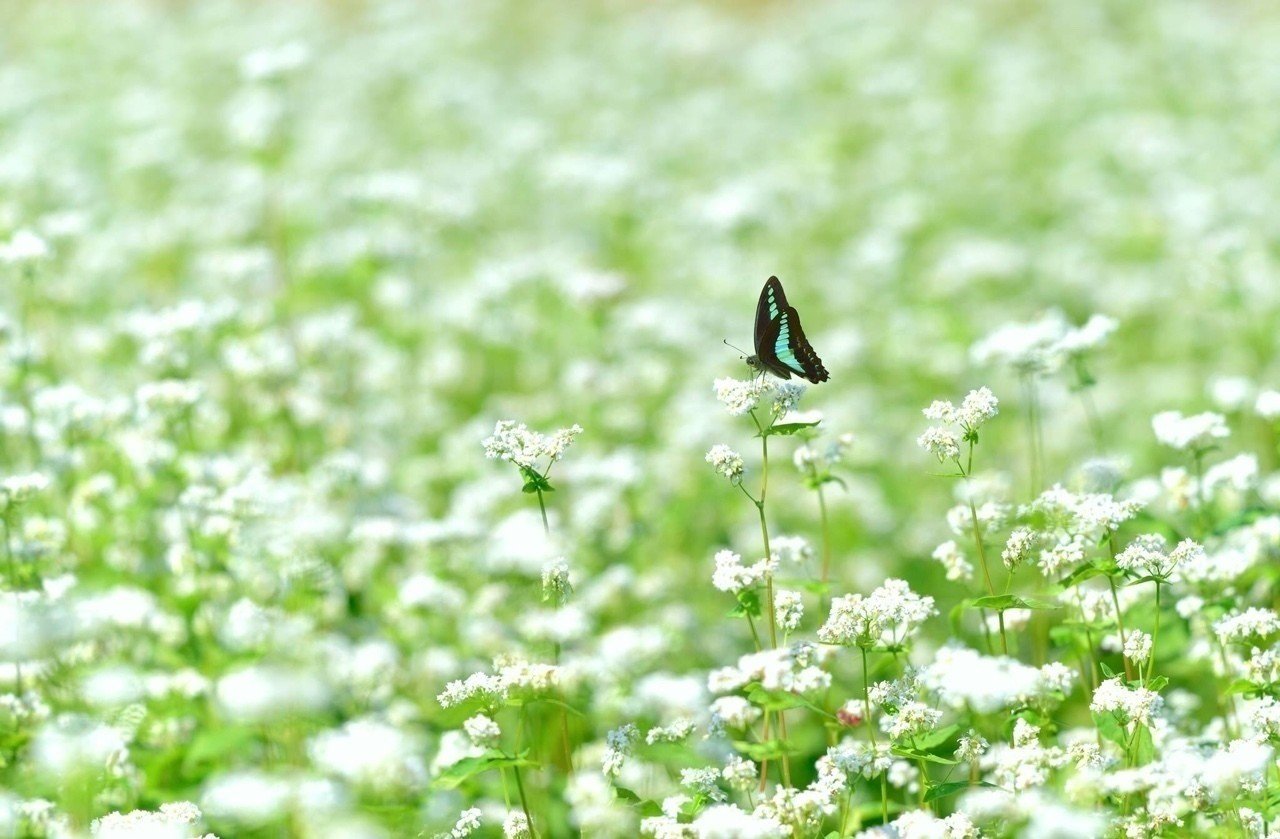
(953, 561)
(516, 443)
(727, 462)
(732, 576)
(1196, 433)
(1129, 705)
(1043, 345)
(888, 616)
(178, 820)
(796, 669)
(741, 396)
(974, 411)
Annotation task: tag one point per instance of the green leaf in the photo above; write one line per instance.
(212, 746)
(768, 750)
(1110, 728)
(951, 788)
(1144, 749)
(645, 807)
(934, 739)
(1243, 686)
(1085, 572)
(1106, 671)
(789, 428)
(773, 700)
(916, 754)
(467, 768)
(748, 604)
(1000, 602)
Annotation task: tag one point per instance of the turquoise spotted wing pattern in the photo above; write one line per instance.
(781, 347)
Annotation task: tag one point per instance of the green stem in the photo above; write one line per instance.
(871, 732)
(1115, 599)
(986, 572)
(1202, 505)
(13, 586)
(542, 505)
(826, 537)
(1155, 637)
(524, 805)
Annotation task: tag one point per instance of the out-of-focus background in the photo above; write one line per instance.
(271, 271)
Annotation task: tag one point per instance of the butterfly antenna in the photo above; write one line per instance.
(731, 346)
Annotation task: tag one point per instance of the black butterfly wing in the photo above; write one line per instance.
(781, 345)
(800, 350)
(773, 302)
(765, 345)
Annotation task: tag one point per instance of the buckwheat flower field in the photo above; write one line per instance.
(371, 464)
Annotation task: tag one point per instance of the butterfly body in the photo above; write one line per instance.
(781, 347)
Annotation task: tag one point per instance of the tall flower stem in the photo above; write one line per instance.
(986, 573)
(13, 587)
(542, 505)
(1155, 638)
(1115, 600)
(1033, 432)
(871, 732)
(524, 803)
(826, 539)
(768, 555)
(1202, 505)
(965, 472)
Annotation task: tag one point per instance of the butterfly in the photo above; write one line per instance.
(781, 347)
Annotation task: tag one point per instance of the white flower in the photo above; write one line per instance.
(977, 407)
(788, 609)
(724, 821)
(1194, 433)
(172, 821)
(910, 720)
(921, 824)
(940, 442)
(971, 747)
(516, 826)
(740, 397)
(704, 782)
(888, 616)
(482, 730)
(964, 678)
(371, 753)
(791, 549)
(735, 712)
(1137, 646)
(1251, 625)
(727, 462)
(618, 746)
(1068, 552)
(1091, 335)
(1028, 348)
(1268, 405)
(1017, 550)
(468, 822)
(732, 576)
(949, 555)
(24, 248)
(555, 581)
(673, 733)
(19, 489)
(488, 688)
(739, 773)
(1128, 704)
(515, 442)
